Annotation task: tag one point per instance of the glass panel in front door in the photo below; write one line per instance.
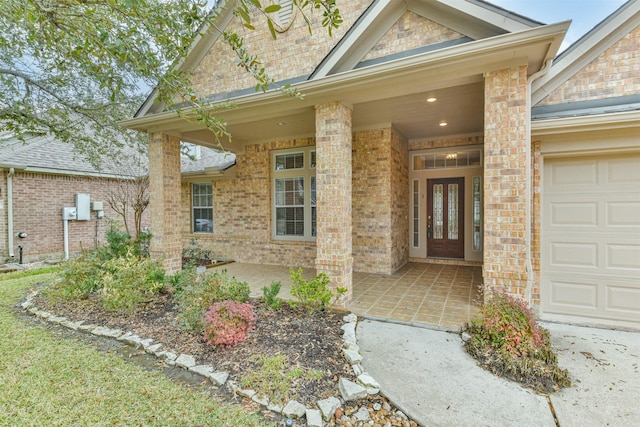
(438, 209)
(452, 220)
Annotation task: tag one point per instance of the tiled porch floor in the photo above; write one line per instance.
(440, 295)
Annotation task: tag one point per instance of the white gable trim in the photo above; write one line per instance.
(471, 18)
(199, 48)
(462, 64)
(587, 49)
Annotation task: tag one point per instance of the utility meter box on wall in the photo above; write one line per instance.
(83, 206)
(69, 213)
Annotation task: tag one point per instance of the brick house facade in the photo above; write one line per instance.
(425, 135)
(37, 179)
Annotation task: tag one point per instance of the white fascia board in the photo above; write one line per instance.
(485, 13)
(198, 49)
(375, 23)
(586, 51)
(475, 57)
(627, 119)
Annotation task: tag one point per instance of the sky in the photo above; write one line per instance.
(585, 14)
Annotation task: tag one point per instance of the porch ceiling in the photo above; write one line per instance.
(390, 93)
(461, 107)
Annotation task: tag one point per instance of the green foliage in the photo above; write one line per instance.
(178, 282)
(314, 294)
(196, 254)
(270, 295)
(78, 278)
(123, 277)
(228, 323)
(197, 293)
(508, 341)
(273, 377)
(30, 272)
(74, 69)
(128, 281)
(99, 388)
(120, 243)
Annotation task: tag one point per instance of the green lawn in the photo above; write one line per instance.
(49, 381)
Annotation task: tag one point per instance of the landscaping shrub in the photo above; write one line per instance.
(118, 243)
(227, 323)
(231, 288)
(128, 281)
(123, 277)
(194, 254)
(313, 294)
(508, 341)
(78, 278)
(273, 377)
(270, 295)
(198, 293)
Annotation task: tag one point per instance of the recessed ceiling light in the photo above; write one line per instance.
(432, 99)
(280, 123)
(443, 123)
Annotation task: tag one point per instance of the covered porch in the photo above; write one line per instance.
(439, 295)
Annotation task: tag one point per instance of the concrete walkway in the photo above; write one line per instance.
(428, 375)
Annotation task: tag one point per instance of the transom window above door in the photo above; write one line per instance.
(294, 194)
(454, 158)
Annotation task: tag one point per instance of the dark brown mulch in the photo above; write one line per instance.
(309, 341)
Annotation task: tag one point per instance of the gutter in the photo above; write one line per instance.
(528, 187)
(10, 210)
(482, 53)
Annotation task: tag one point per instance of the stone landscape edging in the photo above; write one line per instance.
(326, 408)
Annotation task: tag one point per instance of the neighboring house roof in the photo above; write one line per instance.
(207, 162)
(580, 54)
(45, 154)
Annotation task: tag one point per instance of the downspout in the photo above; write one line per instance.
(10, 210)
(528, 186)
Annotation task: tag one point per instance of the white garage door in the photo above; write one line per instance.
(590, 264)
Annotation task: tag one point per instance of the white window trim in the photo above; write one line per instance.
(306, 173)
(193, 208)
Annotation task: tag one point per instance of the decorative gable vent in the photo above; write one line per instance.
(285, 14)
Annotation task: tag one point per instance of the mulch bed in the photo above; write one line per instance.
(309, 341)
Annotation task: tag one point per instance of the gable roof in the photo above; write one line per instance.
(455, 72)
(45, 154)
(589, 47)
(475, 19)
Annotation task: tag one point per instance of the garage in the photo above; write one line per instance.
(590, 240)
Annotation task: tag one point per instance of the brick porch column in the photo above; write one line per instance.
(164, 202)
(505, 145)
(333, 189)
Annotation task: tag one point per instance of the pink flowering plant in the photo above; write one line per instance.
(228, 323)
(508, 341)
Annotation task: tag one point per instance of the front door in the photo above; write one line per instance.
(445, 218)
